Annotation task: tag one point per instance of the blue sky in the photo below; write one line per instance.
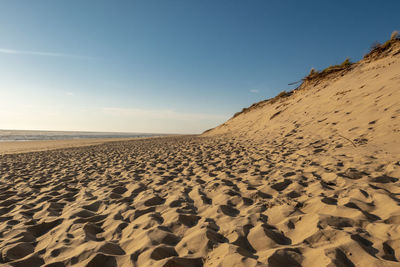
(168, 66)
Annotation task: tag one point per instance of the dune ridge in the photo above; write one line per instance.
(308, 179)
(358, 103)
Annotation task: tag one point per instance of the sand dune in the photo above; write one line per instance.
(359, 106)
(311, 179)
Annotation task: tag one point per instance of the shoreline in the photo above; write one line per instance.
(18, 147)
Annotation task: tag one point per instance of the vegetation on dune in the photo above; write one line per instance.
(281, 95)
(394, 35)
(314, 74)
(378, 49)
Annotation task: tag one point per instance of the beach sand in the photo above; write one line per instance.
(13, 147)
(194, 201)
(311, 179)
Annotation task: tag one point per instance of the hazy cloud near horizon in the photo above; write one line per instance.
(40, 53)
(154, 120)
(102, 119)
(162, 114)
(72, 110)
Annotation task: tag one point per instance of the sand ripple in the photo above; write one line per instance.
(193, 201)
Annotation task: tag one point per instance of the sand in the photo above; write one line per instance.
(13, 147)
(309, 180)
(198, 201)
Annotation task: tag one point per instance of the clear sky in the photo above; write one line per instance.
(168, 66)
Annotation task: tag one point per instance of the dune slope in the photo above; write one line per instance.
(359, 106)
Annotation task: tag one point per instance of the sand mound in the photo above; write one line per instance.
(353, 106)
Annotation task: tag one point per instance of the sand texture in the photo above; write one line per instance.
(311, 179)
(193, 201)
(13, 147)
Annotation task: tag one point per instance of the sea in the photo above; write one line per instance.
(26, 135)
